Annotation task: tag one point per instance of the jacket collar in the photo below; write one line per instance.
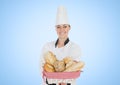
(66, 41)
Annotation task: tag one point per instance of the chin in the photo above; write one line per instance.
(62, 37)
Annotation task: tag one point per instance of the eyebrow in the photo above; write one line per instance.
(57, 25)
(62, 25)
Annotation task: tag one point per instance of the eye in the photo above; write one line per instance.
(57, 27)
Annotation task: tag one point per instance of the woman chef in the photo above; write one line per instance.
(62, 47)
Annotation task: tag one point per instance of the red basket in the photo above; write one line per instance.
(61, 75)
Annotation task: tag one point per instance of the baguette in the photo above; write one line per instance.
(75, 67)
(49, 57)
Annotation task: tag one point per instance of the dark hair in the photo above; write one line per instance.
(69, 25)
(66, 24)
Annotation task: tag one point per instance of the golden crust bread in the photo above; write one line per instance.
(65, 65)
(70, 63)
(49, 57)
(75, 67)
(59, 66)
(48, 68)
(67, 59)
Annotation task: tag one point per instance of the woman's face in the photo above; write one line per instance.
(62, 30)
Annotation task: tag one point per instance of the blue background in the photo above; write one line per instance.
(26, 25)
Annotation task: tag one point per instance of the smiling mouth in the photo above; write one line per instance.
(62, 33)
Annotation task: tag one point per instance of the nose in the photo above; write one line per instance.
(61, 29)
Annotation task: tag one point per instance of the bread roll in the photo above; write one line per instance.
(70, 63)
(59, 66)
(48, 68)
(49, 57)
(75, 67)
(67, 59)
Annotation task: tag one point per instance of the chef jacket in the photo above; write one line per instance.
(70, 49)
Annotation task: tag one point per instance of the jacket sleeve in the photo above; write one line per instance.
(42, 61)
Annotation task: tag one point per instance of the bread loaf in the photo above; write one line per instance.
(75, 67)
(70, 63)
(65, 65)
(48, 68)
(49, 57)
(67, 59)
(59, 66)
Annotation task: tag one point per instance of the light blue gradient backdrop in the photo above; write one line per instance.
(25, 26)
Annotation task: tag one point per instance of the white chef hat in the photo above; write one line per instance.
(61, 17)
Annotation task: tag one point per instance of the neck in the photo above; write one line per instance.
(61, 42)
